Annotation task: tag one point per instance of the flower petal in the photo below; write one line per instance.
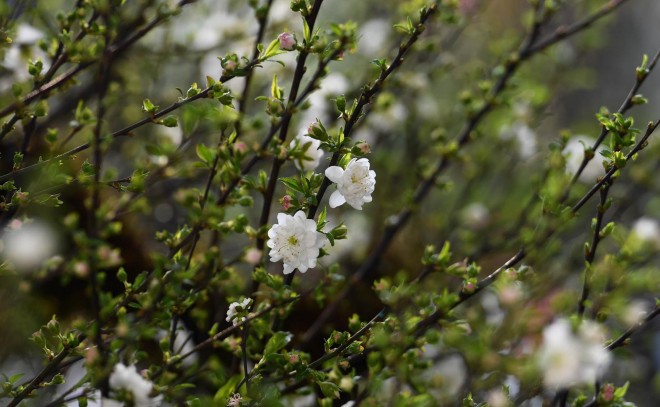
(288, 269)
(281, 217)
(336, 199)
(334, 173)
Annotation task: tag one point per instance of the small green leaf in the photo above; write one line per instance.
(307, 33)
(224, 392)
(329, 389)
(205, 154)
(148, 106)
(277, 342)
(275, 90)
(293, 184)
(169, 121)
(620, 392)
(341, 103)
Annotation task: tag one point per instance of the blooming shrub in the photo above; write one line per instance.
(169, 236)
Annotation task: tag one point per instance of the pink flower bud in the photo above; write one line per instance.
(467, 6)
(510, 294)
(365, 148)
(81, 268)
(469, 287)
(608, 392)
(253, 256)
(230, 66)
(286, 202)
(287, 41)
(15, 224)
(240, 147)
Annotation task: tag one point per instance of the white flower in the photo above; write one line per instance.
(354, 184)
(476, 215)
(236, 308)
(635, 312)
(647, 229)
(127, 378)
(295, 241)
(373, 36)
(312, 153)
(234, 400)
(568, 359)
(28, 244)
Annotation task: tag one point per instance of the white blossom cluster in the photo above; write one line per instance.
(570, 358)
(354, 184)
(237, 310)
(127, 378)
(294, 239)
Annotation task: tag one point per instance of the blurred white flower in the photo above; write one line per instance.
(280, 12)
(22, 49)
(568, 359)
(358, 237)
(27, 244)
(354, 184)
(26, 34)
(237, 308)
(295, 241)
(525, 138)
(183, 342)
(127, 378)
(175, 134)
(497, 398)
(384, 120)
(450, 370)
(635, 312)
(427, 106)
(332, 85)
(373, 36)
(106, 402)
(647, 229)
(476, 215)
(312, 152)
(574, 153)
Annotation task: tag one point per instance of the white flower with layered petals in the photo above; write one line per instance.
(312, 153)
(236, 308)
(127, 378)
(568, 359)
(295, 241)
(355, 184)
